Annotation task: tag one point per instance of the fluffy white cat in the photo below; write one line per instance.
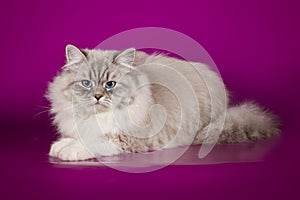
(112, 102)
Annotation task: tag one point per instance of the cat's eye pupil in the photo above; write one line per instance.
(110, 84)
(86, 83)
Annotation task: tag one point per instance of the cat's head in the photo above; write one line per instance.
(97, 81)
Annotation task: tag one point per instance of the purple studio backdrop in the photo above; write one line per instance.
(255, 45)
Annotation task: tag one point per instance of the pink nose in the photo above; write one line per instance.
(98, 96)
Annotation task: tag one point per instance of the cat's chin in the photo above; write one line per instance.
(101, 107)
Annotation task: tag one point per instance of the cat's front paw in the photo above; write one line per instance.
(70, 150)
(74, 152)
(57, 146)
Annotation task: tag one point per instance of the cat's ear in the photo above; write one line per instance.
(74, 55)
(126, 57)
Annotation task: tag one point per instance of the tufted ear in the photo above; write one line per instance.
(74, 54)
(126, 57)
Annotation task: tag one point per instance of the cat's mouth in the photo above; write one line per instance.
(102, 103)
(102, 107)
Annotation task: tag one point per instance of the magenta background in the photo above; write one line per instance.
(255, 44)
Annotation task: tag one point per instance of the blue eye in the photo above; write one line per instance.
(110, 84)
(87, 83)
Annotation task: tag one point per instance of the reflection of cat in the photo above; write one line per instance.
(111, 102)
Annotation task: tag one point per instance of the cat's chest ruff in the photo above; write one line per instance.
(106, 123)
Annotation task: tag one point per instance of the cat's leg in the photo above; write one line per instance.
(58, 145)
(74, 149)
(69, 149)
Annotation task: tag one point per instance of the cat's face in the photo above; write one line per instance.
(103, 80)
(98, 85)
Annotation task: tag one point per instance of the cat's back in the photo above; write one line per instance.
(193, 71)
(206, 84)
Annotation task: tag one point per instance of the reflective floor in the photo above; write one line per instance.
(26, 172)
(221, 153)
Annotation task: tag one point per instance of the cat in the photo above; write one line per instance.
(107, 102)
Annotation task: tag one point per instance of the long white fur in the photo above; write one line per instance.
(85, 135)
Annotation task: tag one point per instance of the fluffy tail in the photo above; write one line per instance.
(248, 122)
